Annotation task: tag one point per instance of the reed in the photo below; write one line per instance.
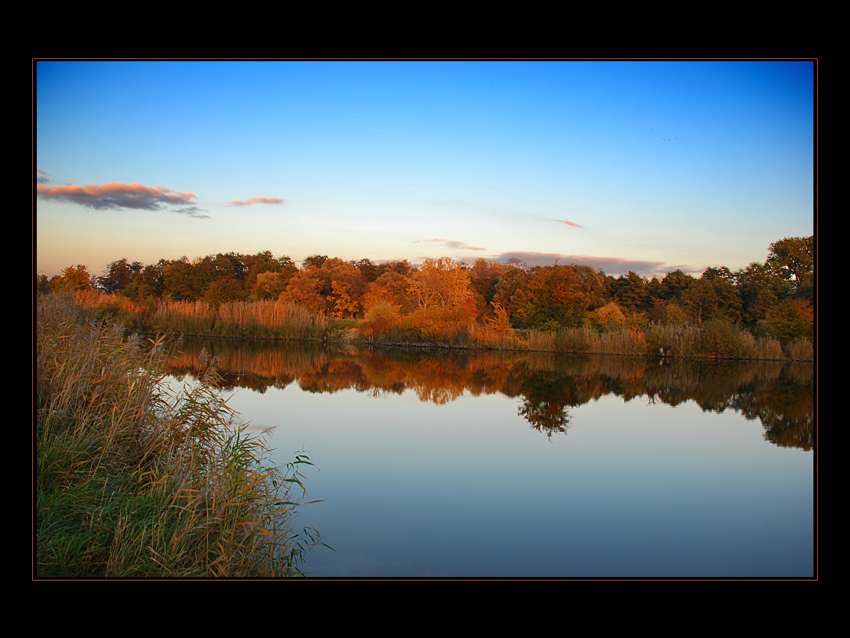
(269, 319)
(800, 350)
(134, 481)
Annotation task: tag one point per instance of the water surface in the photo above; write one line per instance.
(452, 464)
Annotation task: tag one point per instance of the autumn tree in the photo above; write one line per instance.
(74, 278)
(440, 282)
(790, 319)
(484, 275)
(561, 295)
(269, 285)
(390, 288)
(498, 320)
(302, 289)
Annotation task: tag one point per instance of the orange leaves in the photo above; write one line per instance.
(442, 282)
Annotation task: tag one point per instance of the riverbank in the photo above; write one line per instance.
(276, 320)
(134, 482)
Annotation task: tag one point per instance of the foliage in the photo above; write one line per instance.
(442, 297)
(793, 259)
(790, 320)
(440, 282)
(133, 482)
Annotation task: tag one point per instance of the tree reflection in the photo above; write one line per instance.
(546, 398)
(546, 385)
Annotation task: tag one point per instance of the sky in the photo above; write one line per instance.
(643, 166)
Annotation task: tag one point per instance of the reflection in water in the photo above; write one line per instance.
(547, 385)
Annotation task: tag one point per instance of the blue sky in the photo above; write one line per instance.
(634, 165)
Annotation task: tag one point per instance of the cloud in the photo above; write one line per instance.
(569, 223)
(608, 265)
(192, 211)
(448, 243)
(116, 195)
(258, 200)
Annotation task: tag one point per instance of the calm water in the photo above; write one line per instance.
(459, 465)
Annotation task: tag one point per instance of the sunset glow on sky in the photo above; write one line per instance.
(646, 166)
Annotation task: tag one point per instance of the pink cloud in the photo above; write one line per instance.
(116, 195)
(569, 223)
(258, 200)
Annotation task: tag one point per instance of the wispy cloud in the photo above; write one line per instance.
(257, 200)
(609, 265)
(448, 243)
(568, 223)
(115, 195)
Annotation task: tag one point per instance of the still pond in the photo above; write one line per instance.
(531, 465)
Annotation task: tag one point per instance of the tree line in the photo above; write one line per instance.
(774, 298)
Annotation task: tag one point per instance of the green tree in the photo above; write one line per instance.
(184, 281)
(760, 288)
(674, 284)
(793, 259)
(712, 297)
(119, 274)
(631, 292)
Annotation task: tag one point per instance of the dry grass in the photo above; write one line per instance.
(132, 481)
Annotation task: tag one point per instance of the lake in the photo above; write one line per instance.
(451, 464)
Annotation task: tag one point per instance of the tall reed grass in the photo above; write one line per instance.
(238, 319)
(135, 481)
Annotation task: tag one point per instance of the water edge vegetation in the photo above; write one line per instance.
(132, 481)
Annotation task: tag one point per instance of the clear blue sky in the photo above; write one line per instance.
(645, 166)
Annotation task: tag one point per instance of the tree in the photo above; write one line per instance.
(484, 275)
(183, 281)
(148, 282)
(269, 285)
(760, 288)
(442, 282)
(75, 278)
(790, 320)
(793, 259)
(390, 288)
(302, 289)
(119, 275)
(561, 295)
(631, 292)
(712, 297)
(511, 292)
(342, 305)
(675, 283)
(498, 321)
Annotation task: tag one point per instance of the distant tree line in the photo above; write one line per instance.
(774, 298)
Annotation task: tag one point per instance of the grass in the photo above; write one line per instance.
(135, 481)
(384, 325)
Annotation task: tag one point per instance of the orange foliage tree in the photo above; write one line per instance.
(440, 282)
